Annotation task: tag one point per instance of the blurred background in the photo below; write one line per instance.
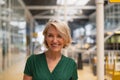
(22, 23)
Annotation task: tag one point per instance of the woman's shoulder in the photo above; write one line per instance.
(70, 62)
(35, 56)
(69, 59)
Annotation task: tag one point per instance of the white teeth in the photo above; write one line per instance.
(55, 45)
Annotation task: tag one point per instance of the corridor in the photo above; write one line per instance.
(94, 27)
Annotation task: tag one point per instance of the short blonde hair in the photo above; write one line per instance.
(62, 27)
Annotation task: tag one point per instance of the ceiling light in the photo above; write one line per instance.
(72, 2)
(80, 12)
(2, 2)
(117, 32)
(82, 2)
(109, 33)
(86, 45)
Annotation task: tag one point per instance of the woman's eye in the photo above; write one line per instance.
(49, 35)
(59, 36)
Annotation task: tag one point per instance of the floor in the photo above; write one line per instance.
(86, 74)
(15, 72)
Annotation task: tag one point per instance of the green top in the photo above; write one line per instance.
(36, 66)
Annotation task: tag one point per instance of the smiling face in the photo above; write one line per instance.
(59, 31)
(54, 40)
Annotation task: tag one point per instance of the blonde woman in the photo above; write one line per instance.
(52, 64)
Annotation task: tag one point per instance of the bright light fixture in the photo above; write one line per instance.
(72, 2)
(81, 2)
(117, 32)
(2, 2)
(109, 33)
(20, 24)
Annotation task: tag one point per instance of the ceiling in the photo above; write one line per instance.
(43, 10)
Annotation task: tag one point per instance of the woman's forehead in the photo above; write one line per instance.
(52, 29)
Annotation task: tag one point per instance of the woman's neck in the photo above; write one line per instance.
(53, 55)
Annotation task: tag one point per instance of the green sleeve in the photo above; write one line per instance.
(28, 67)
(75, 74)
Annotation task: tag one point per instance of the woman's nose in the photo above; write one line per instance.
(54, 39)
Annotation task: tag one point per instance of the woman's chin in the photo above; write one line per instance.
(55, 50)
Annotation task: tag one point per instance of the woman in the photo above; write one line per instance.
(52, 65)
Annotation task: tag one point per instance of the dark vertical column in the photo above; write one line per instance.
(33, 43)
(80, 64)
(28, 40)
